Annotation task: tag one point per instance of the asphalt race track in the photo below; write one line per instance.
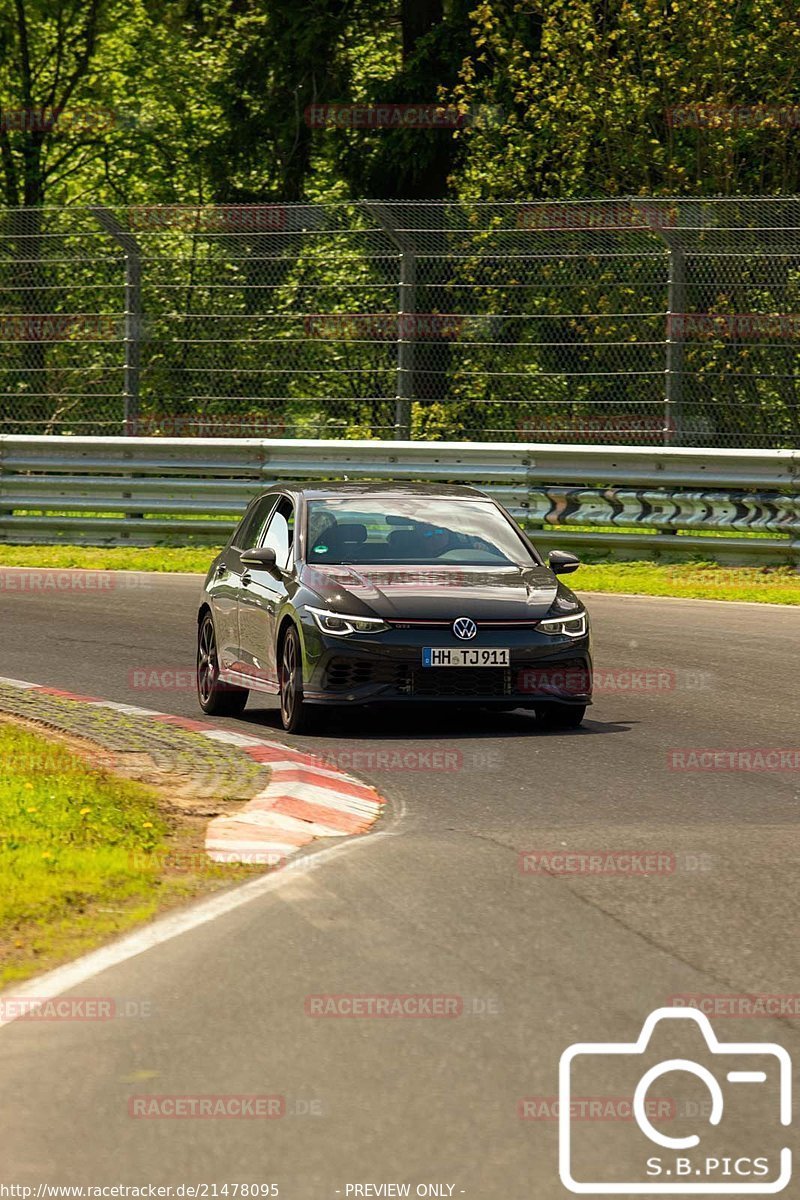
(437, 904)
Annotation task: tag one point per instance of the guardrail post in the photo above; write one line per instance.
(133, 315)
(407, 306)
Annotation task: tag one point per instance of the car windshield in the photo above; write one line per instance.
(412, 529)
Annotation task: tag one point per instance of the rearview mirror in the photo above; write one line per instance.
(261, 557)
(561, 562)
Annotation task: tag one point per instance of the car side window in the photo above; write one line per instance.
(279, 535)
(252, 524)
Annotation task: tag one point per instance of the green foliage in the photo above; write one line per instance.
(585, 88)
(208, 98)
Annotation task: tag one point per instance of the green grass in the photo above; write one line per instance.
(692, 580)
(698, 580)
(110, 558)
(82, 855)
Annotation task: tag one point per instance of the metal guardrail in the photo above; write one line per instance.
(147, 491)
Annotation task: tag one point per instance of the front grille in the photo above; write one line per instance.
(540, 677)
(345, 674)
(461, 681)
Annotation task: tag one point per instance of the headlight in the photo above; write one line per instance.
(564, 626)
(341, 624)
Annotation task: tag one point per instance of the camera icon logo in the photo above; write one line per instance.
(745, 1091)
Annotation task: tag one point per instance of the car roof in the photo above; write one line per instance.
(344, 489)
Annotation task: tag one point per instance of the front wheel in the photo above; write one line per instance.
(560, 716)
(216, 698)
(296, 714)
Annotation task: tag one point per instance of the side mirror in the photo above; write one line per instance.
(561, 562)
(262, 558)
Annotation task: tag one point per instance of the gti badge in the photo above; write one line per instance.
(464, 628)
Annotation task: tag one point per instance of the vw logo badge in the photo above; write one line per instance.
(464, 628)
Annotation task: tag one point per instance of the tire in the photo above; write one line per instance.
(560, 716)
(296, 715)
(214, 697)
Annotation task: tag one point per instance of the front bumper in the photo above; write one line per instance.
(387, 667)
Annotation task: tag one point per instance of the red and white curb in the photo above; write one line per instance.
(306, 797)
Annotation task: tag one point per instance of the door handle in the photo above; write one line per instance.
(221, 570)
(247, 578)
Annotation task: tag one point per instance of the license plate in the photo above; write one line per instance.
(432, 656)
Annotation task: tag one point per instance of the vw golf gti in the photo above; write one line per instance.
(353, 594)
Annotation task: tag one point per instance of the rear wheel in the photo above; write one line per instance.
(216, 698)
(297, 715)
(560, 716)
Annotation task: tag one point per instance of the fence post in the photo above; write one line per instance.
(406, 346)
(407, 306)
(133, 315)
(673, 378)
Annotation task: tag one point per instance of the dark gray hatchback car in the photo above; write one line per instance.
(353, 594)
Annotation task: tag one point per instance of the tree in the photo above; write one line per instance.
(47, 49)
(417, 50)
(267, 62)
(588, 90)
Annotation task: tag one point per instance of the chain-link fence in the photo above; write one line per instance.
(623, 321)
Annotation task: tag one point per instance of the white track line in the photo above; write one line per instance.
(232, 739)
(63, 979)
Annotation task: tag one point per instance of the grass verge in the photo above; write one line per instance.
(85, 855)
(110, 558)
(690, 580)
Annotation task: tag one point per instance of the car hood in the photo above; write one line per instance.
(435, 593)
